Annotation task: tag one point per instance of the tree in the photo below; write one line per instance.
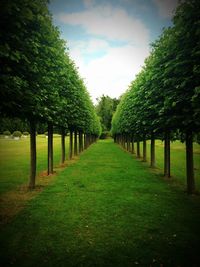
(105, 108)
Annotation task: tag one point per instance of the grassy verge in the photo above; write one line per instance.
(178, 161)
(14, 160)
(105, 210)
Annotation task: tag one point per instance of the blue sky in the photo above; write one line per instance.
(110, 39)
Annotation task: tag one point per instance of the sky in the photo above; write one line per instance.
(109, 39)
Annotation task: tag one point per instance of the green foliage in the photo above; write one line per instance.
(105, 108)
(39, 81)
(7, 133)
(17, 134)
(13, 124)
(26, 133)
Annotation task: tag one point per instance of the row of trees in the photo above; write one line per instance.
(164, 99)
(39, 81)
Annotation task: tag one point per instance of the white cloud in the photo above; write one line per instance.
(112, 23)
(116, 67)
(81, 49)
(166, 7)
(112, 73)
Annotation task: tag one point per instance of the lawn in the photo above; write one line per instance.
(178, 161)
(14, 160)
(106, 209)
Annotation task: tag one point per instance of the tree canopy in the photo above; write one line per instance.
(105, 109)
(39, 81)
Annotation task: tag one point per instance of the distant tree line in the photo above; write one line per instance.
(39, 82)
(105, 109)
(164, 100)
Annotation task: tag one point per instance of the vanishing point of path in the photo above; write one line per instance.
(107, 209)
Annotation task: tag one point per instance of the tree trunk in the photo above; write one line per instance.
(167, 155)
(80, 142)
(138, 149)
(124, 141)
(128, 143)
(75, 143)
(32, 155)
(50, 148)
(152, 151)
(144, 150)
(190, 163)
(71, 144)
(63, 145)
(132, 146)
(85, 141)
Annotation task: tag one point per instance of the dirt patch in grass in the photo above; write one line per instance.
(14, 201)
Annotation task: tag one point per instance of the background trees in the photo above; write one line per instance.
(162, 101)
(105, 109)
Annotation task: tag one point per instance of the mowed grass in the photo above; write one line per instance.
(178, 161)
(15, 160)
(107, 209)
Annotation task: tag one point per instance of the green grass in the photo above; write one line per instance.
(178, 161)
(14, 160)
(107, 209)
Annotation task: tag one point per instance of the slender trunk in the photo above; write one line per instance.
(75, 143)
(88, 140)
(144, 150)
(128, 143)
(85, 141)
(50, 148)
(167, 155)
(190, 163)
(80, 141)
(138, 149)
(132, 146)
(152, 151)
(63, 145)
(71, 144)
(32, 155)
(120, 140)
(124, 141)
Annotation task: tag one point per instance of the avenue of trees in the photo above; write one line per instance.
(163, 102)
(39, 81)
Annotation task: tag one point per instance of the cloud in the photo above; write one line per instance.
(112, 23)
(166, 7)
(88, 49)
(112, 73)
(114, 51)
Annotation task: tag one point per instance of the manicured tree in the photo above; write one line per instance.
(162, 56)
(24, 81)
(181, 78)
(187, 40)
(32, 72)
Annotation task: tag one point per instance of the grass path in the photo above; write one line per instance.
(107, 209)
